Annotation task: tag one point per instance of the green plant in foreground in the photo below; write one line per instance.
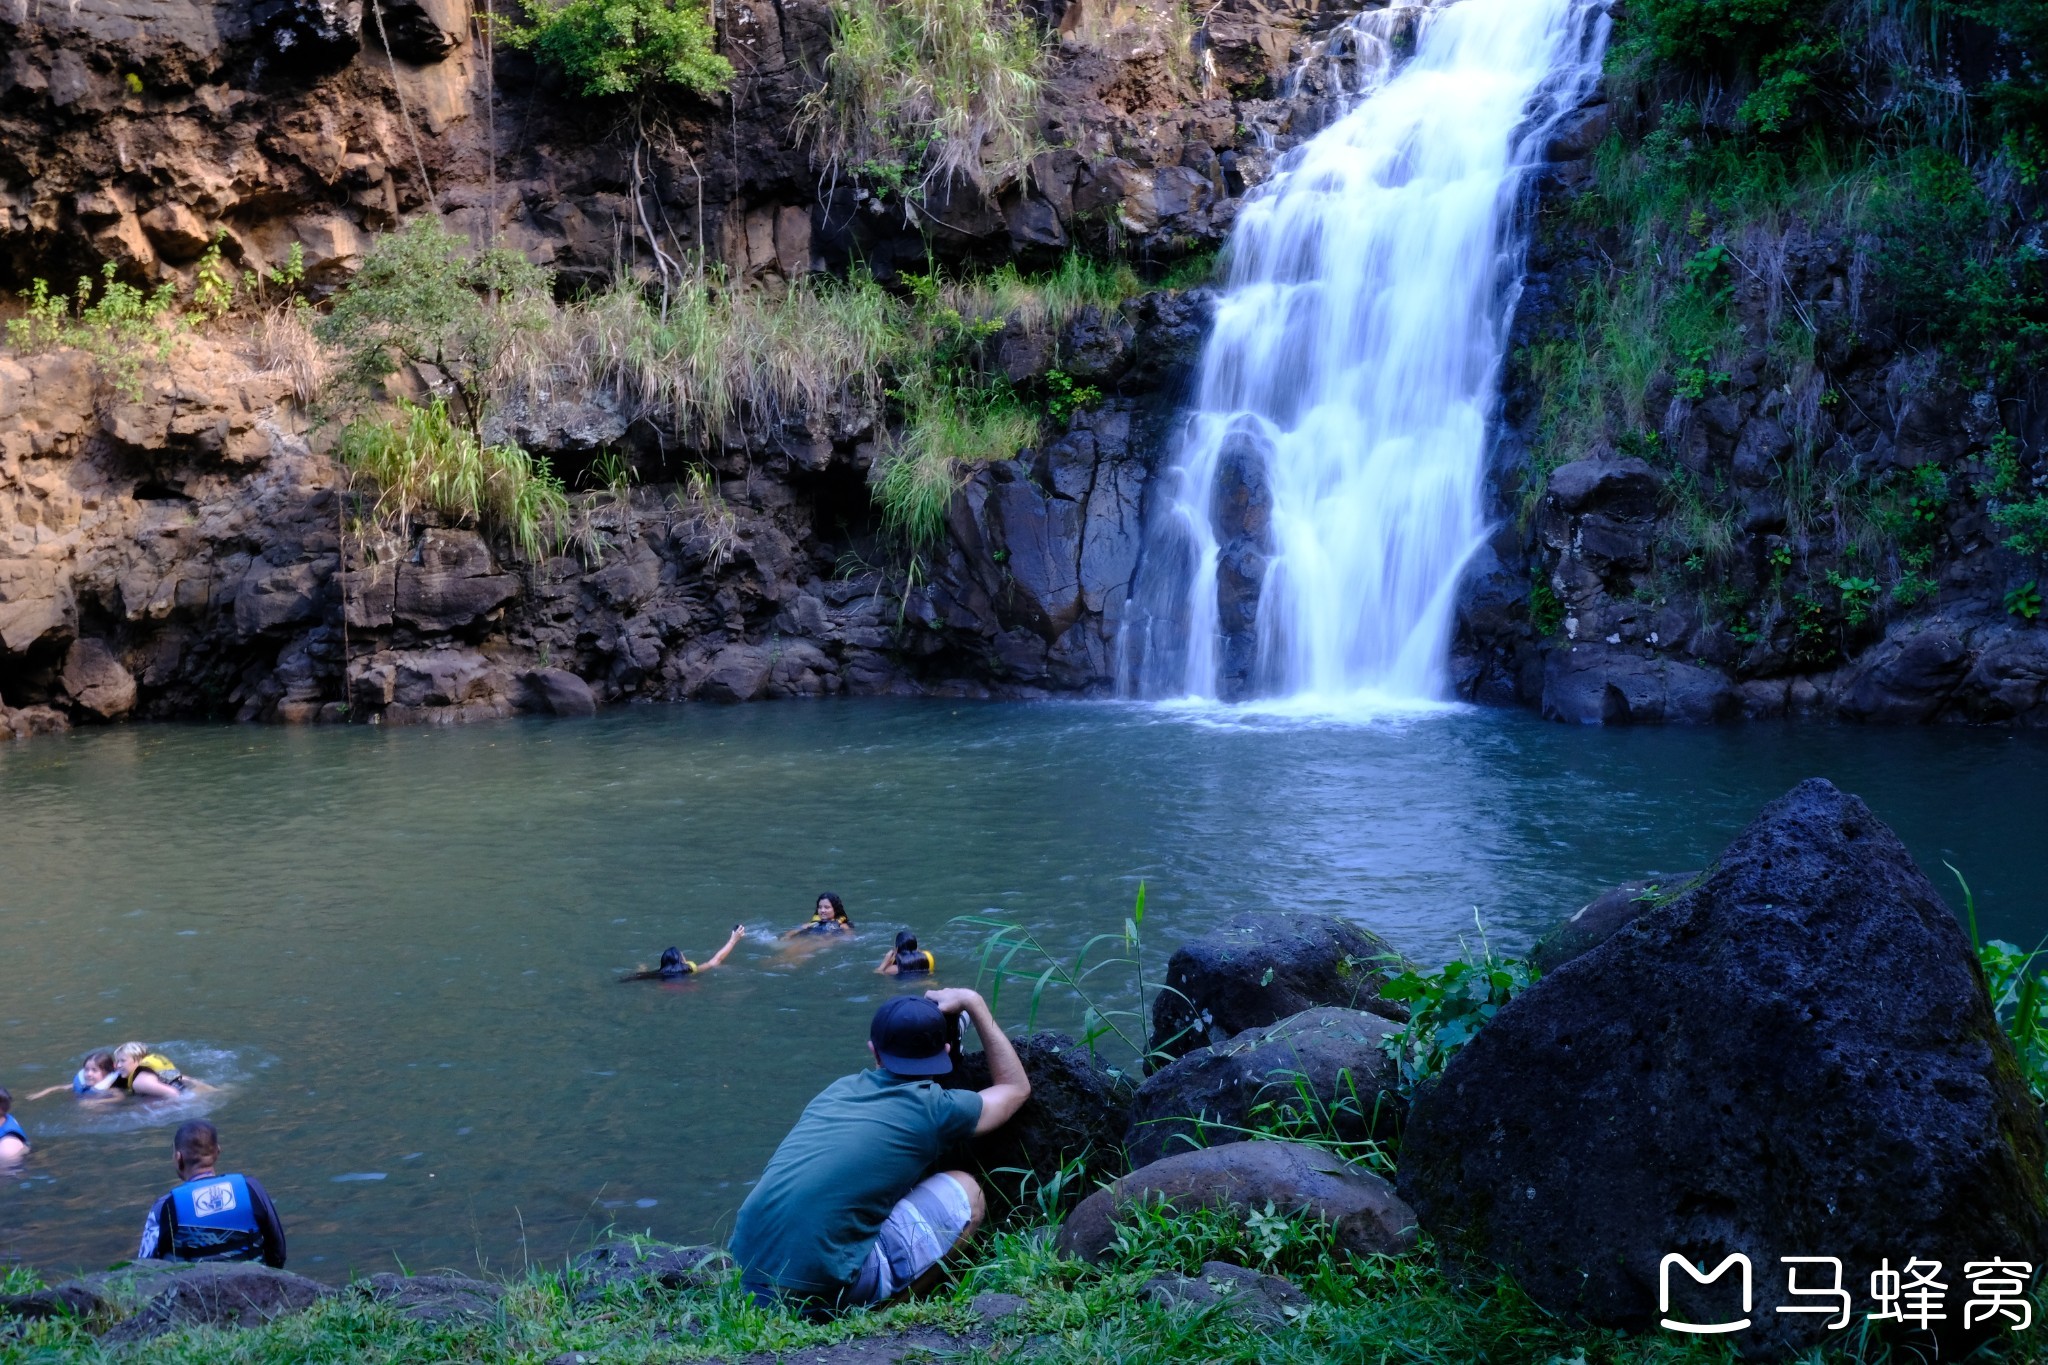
(2025, 601)
(422, 459)
(626, 47)
(1447, 1007)
(1008, 941)
(2017, 984)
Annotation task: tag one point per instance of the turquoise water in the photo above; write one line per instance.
(395, 950)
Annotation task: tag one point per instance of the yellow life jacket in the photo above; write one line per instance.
(165, 1070)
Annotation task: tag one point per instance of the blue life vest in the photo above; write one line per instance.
(10, 1128)
(216, 1221)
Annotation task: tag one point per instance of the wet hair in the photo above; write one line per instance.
(906, 942)
(672, 959)
(195, 1139)
(6, 1102)
(838, 907)
(128, 1052)
(102, 1061)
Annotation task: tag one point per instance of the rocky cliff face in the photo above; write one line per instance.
(1805, 532)
(185, 551)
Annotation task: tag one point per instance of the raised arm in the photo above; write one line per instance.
(1008, 1086)
(48, 1091)
(718, 958)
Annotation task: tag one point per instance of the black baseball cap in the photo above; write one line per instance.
(909, 1034)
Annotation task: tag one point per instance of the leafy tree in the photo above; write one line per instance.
(626, 47)
(424, 298)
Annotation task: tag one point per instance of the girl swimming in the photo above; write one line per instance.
(830, 918)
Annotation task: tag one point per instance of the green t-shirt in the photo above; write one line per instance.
(859, 1147)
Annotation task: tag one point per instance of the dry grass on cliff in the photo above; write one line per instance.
(918, 92)
(714, 356)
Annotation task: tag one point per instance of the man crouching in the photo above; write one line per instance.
(849, 1212)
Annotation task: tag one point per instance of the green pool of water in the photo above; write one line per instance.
(395, 950)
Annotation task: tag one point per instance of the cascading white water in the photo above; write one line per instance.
(1330, 472)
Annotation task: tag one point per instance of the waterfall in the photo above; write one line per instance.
(1327, 490)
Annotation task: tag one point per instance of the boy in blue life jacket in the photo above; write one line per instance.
(211, 1217)
(13, 1142)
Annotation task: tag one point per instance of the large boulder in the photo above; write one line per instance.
(1076, 1112)
(1364, 1213)
(1324, 1066)
(1259, 968)
(1794, 1057)
(97, 681)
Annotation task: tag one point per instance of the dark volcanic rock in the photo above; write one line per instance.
(1260, 968)
(1077, 1108)
(1211, 1095)
(433, 1298)
(1596, 921)
(647, 1264)
(1793, 1058)
(218, 1296)
(1365, 1214)
(1598, 684)
(1239, 1293)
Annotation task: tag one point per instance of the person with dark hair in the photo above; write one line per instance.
(13, 1141)
(674, 966)
(907, 959)
(211, 1217)
(829, 918)
(850, 1212)
(96, 1079)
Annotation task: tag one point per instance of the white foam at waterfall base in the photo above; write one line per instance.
(1355, 357)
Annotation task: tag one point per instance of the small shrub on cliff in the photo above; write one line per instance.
(917, 92)
(423, 459)
(424, 298)
(120, 329)
(626, 47)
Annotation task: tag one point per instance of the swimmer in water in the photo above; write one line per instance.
(830, 918)
(907, 959)
(95, 1080)
(674, 966)
(13, 1141)
(151, 1075)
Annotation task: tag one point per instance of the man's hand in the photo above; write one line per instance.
(955, 1000)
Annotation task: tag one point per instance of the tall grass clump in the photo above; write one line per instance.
(422, 459)
(713, 362)
(920, 92)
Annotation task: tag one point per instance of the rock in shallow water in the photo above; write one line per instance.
(1795, 1057)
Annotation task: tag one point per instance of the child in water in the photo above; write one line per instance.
(13, 1142)
(94, 1080)
(907, 959)
(151, 1075)
(674, 966)
(830, 918)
